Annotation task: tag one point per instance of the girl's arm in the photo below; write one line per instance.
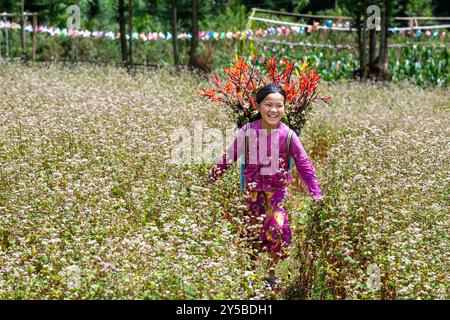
(234, 151)
(305, 168)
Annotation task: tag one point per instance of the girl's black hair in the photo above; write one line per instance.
(264, 91)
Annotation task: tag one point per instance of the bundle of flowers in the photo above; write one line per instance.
(242, 80)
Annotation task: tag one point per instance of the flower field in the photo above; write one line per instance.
(92, 208)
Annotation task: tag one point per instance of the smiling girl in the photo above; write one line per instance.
(267, 219)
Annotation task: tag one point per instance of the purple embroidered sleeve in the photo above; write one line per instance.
(305, 168)
(233, 153)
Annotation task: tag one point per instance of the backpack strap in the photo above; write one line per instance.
(244, 164)
(246, 146)
(288, 148)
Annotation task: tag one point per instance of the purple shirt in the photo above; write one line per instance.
(255, 178)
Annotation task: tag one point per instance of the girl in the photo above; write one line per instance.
(267, 220)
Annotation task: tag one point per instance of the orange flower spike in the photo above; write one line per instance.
(228, 88)
(325, 99)
(304, 66)
(210, 94)
(273, 62)
(217, 80)
(292, 90)
(271, 67)
(287, 72)
(205, 92)
(270, 64)
(252, 103)
(241, 65)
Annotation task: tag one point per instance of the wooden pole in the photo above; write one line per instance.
(174, 32)
(363, 56)
(130, 32)
(1, 39)
(194, 39)
(22, 28)
(123, 40)
(281, 13)
(359, 40)
(382, 36)
(372, 45)
(384, 58)
(33, 43)
(7, 42)
(243, 42)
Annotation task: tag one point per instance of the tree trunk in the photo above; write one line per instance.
(174, 32)
(33, 39)
(123, 40)
(359, 41)
(361, 33)
(153, 6)
(363, 49)
(130, 32)
(372, 71)
(22, 29)
(7, 44)
(289, 6)
(384, 38)
(372, 45)
(194, 39)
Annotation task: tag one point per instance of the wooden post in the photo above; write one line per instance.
(130, 32)
(33, 43)
(363, 53)
(359, 39)
(174, 32)
(243, 42)
(372, 45)
(22, 28)
(123, 41)
(194, 31)
(1, 39)
(384, 38)
(7, 42)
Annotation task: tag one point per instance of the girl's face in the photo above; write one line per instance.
(272, 110)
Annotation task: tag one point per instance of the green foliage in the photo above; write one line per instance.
(231, 19)
(422, 65)
(419, 8)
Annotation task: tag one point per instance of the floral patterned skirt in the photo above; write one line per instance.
(267, 221)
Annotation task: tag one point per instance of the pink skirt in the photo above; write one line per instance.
(267, 221)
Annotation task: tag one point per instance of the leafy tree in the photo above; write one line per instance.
(419, 8)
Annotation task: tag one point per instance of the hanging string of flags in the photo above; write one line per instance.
(329, 25)
(149, 36)
(307, 44)
(286, 28)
